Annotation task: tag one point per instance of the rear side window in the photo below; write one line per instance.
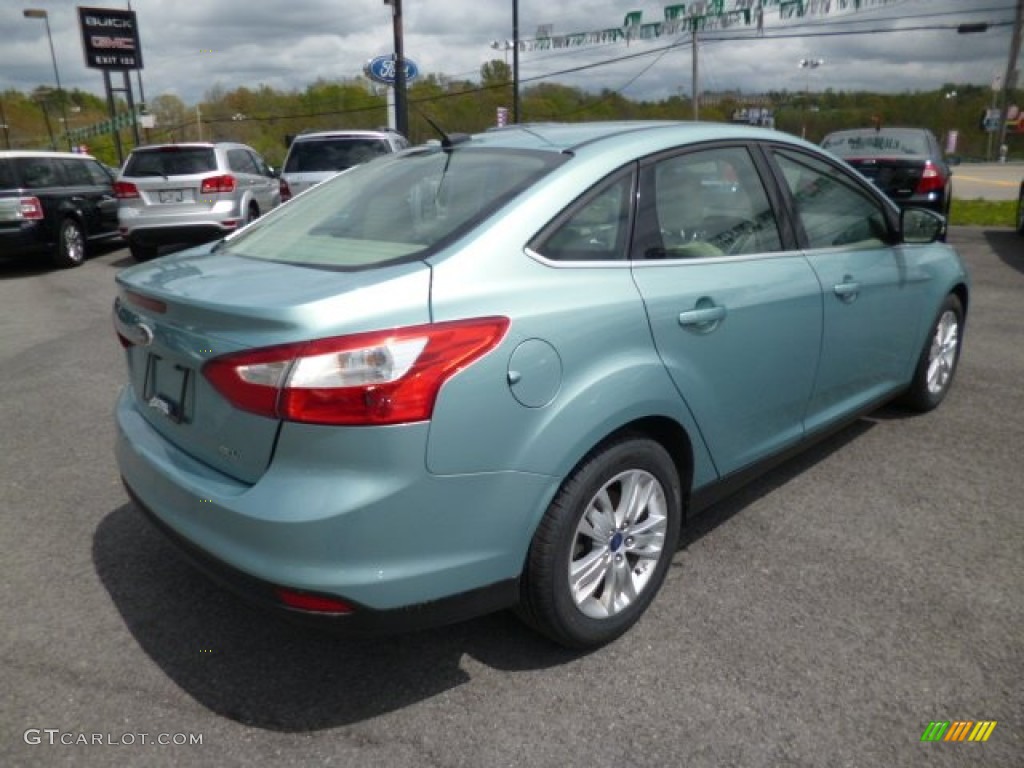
(39, 172)
(595, 229)
(402, 207)
(703, 204)
(171, 161)
(315, 155)
(8, 176)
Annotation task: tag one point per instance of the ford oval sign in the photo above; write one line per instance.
(382, 69)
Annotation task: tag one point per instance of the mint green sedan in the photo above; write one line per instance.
(504, 370)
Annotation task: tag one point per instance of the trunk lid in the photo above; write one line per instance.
(181, 311)
(898, 177)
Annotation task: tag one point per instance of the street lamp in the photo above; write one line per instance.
(807, 64)
(39, 13)
(503, 45)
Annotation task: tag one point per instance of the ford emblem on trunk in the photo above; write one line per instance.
(142, 335)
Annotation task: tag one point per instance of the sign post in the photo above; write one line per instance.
(110, 42)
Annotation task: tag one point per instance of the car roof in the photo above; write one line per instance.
(880, 129)
(192, 144)
(572, 137)
(41, 153)
(342, 133)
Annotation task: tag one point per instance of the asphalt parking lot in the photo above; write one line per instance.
(822, 617)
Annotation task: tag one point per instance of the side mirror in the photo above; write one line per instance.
(273, 173)
(920, 226)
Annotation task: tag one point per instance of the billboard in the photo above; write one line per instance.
(110, 38)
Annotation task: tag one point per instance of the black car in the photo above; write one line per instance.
(906, 163)
(54, 204)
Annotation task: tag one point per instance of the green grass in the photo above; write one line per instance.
(984, 213)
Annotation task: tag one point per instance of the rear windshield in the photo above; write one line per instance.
(874, 143)
(171, 161)
(332, 154)
(400, 207)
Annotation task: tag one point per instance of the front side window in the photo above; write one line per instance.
(240, 161)
(833, 210)
(403, 206)
(76, 173)
(704, 203)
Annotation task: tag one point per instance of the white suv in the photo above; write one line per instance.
(314, 157)
(191, 193)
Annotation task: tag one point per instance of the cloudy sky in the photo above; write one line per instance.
(191, 45)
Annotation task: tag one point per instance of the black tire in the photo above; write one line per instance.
(142, 252)
(613, 547)
(1020, 211)
(252, 214)
(937, 364)
(70, 248)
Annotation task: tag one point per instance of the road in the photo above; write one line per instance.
(822, 617)
(987, 181)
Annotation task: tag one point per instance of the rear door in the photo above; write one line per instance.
(735, 314)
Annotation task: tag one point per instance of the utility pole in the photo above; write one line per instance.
(515, 61)
(693, 73)
(401, 102)
(1010, 80)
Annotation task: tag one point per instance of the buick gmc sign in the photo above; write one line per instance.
(110, 38)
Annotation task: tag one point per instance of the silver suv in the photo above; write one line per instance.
(191, 193)
(314, 157)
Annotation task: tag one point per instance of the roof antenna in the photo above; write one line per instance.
(447, 141)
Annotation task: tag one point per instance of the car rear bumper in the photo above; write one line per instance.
(363, 619)
(185, 234)
(386, 537)
(24, 238)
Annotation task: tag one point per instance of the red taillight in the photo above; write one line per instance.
(304, 601)
(125, 190)
(286, 191)
(214, 184)
(381, 377)
(931, 180)
(30, 209)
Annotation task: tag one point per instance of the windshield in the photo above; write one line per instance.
(332, 154)
(398, 207)
(872, 143)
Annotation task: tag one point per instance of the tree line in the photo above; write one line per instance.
(263, 116)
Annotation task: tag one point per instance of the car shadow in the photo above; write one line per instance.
(254, 667)
(1008, 246)
(13, 267)
(259, 669)
(706, 521)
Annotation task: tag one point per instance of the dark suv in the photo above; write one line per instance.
(54, 203)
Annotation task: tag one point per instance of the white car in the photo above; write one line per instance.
(315, 157)
(184, 194)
